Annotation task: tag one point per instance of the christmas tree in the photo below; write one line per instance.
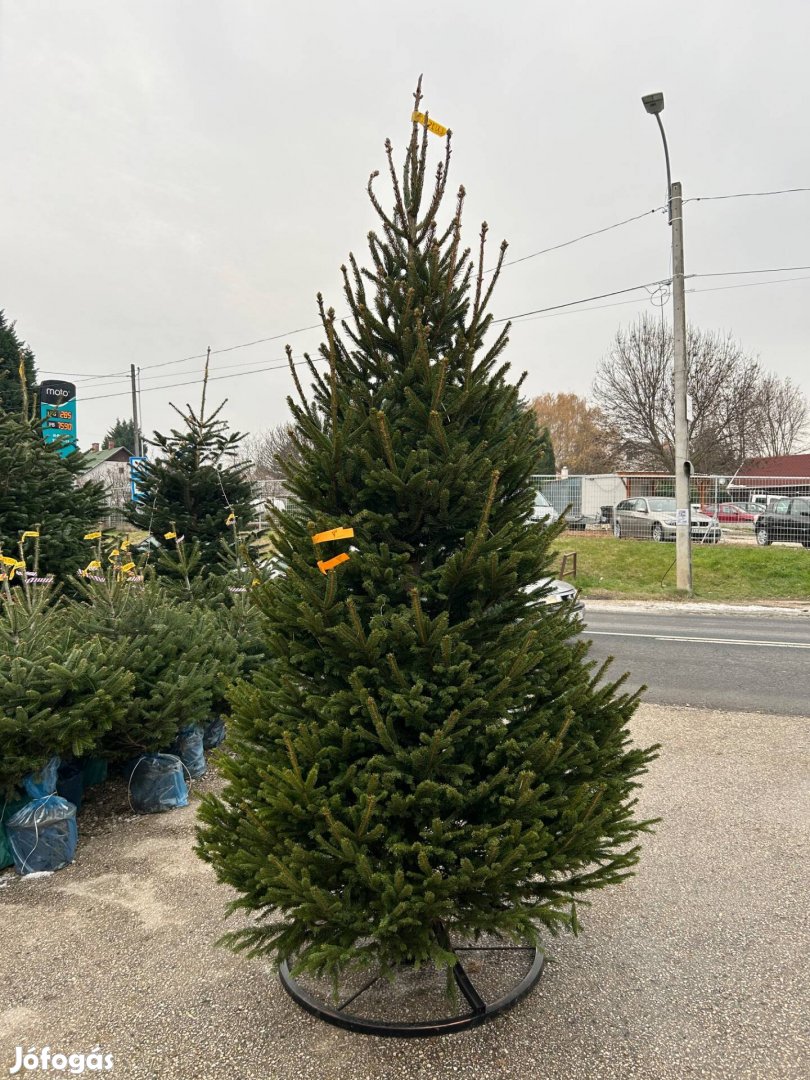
(17, 395)
(195, 487)
(60, 691)
(168, 648)
(430, 750)
(43, 491)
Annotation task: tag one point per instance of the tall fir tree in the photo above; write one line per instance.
(430, 750)
(546, 465)
(40, 488)
(195, 486)
(16, 357)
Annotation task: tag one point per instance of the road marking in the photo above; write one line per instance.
(702, 640)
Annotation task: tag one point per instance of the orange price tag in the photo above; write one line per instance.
(330, 564)
(332, 534)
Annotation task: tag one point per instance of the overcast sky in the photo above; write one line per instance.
(184, 173)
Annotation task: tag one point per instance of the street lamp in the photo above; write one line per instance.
(654, 104)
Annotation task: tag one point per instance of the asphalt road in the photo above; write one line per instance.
(730, 661)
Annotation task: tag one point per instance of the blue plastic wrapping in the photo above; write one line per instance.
(39, 784)
(156, 783)
(214, 733)
(43, 835)
(188, 746)
(7, 810)
(70, 783)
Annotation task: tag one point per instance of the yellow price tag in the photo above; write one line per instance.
(437, 129)
(94, 565)
(170, 536)
(230, 519)
(30, 532)
(125, 569)
(92, 536)
(8, 560)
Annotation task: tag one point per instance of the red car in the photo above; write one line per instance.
(730, 513)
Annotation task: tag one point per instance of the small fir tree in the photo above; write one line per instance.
(60, 691)
(195, 486)
(430, 749)
(37, 486)
(166, 647)
(16, 396)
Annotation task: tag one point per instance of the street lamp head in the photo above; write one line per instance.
(653, 103)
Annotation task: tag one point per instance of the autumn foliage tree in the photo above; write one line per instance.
(581, 438)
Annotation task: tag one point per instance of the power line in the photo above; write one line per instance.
(196, 382)
(745, 195)
(232, 348)
(751, 284)
(585, 300)
(585, 236)
(737, 273)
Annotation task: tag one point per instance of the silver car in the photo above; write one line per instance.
(654, 519)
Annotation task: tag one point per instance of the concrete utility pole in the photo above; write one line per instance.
(683, 468)
(654, 104)
(136, 449)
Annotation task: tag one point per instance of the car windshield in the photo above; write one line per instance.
(661, 506)
(541, 500)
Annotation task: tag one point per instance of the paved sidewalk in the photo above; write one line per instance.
(695, 968)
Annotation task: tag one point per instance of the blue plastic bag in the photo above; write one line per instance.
(39, 784)
(70, 783)
(214, 733)
(156, 783)
(43, 835)
(7, 810)
(188, 746)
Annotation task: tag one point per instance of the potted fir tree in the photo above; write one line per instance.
(430, 755)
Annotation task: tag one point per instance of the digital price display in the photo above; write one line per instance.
(57, 411)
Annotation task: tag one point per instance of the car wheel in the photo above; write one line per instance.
(762, 536)
(657, 533)
(617, 530)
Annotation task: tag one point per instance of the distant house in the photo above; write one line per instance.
(785, 475)
(111, 468)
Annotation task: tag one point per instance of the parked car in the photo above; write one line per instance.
(562, 591)
(654, 519)
(543, 510)
(733, 513)
(786, 520)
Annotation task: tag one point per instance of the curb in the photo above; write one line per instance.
(694, 607)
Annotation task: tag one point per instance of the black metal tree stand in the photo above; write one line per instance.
(479, 1010)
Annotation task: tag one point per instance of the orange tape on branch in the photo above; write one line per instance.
(332, 534)
(330, 564)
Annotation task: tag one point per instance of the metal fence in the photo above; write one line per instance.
(734, 502)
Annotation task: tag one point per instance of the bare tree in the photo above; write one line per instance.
(266, 450)
(738, 410)
(783, 421)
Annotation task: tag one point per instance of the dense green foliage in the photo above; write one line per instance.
(60, 691)
(40, 488)
(194, 486)
(12, 353)
(430, 744)
(546, 465)
(122, 433)
(174, 652)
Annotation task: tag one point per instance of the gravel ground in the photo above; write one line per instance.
(695, 968)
